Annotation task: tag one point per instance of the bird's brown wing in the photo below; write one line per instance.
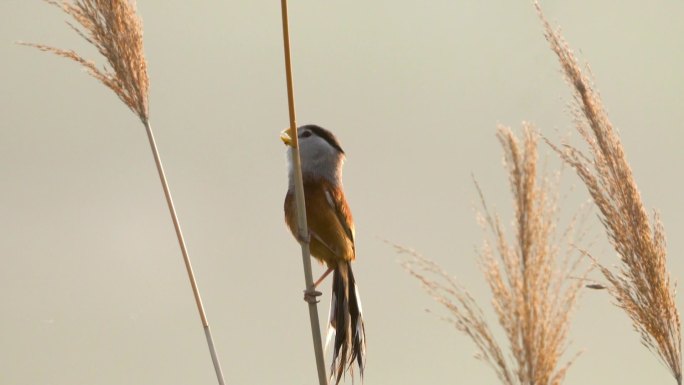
(338, 202)
(330, 222)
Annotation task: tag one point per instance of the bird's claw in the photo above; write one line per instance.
(310, 296)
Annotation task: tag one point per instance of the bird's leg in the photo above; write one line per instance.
(319, 280)
(311, 294)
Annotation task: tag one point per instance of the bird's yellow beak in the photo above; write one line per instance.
(285, 137)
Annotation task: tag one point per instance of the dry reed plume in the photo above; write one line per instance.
(641, 284)
(114, 28)
(529, 277)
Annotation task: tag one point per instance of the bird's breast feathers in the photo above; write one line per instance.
(329, 219)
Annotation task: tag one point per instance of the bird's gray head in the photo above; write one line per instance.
(321, 154)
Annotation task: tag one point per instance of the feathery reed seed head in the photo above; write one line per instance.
(532, 290)
(114, 28)
(641, 285)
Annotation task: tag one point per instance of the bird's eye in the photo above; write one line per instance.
(306, 134)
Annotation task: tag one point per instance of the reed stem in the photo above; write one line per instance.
(184, 251)
(300, 203)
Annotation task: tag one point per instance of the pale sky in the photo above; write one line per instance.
(93, 288)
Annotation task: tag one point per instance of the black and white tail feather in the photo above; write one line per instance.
(346, 325)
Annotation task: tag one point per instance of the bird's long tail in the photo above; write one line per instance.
(346, 319)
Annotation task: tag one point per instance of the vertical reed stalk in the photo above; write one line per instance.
(300, 202)
(114, 28)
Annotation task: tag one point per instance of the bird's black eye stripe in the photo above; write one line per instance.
(306, 134)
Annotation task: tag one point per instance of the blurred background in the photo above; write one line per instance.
(92, 284)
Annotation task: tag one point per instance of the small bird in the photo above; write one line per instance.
(331, 237)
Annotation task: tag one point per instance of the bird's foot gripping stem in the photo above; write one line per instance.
(311, 295)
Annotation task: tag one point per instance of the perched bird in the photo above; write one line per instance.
(331, 237)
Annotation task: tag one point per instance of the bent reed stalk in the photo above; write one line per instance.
(641, 283)
(530, 277)
(114, 28)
